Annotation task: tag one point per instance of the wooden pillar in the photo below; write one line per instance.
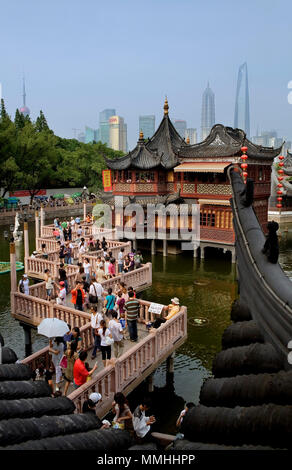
(13, 280)
(42, 219)
(153, 247)
(84, 210)
(26, 244)
(170, 364)
(164, 247)
(37, 225)
(150, 383)
(27, 339)
(233, 255)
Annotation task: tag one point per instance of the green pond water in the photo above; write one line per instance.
(206, 287)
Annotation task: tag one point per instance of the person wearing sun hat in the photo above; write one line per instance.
(172, 308)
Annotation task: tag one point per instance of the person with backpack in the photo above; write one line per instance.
(110, 301)
(23, 285)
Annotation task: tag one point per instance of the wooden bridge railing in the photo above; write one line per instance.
(36, 266)
(133, 366)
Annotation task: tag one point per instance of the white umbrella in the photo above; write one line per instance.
(52, 327)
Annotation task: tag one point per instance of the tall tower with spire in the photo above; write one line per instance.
(241, 114)
(208, 112)
(24, 109)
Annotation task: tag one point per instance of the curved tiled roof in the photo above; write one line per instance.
(166, 148)
(161, 149)
(288, 164)
(224, 142)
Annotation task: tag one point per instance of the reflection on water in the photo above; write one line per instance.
(206, 287)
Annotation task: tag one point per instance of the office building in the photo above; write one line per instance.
(180, 126)
(241, 114)
(191, 134)
(104, 125)
(117, 133)
(208, 112)
(147, 125)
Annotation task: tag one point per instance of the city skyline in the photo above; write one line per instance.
(70, 87)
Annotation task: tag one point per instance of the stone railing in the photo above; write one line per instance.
(33, 310)
(35, 267)
(132, 366)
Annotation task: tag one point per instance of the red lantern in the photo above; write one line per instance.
(280, 185)
(279, 206)
(280, 178)
(244, 174)
(279, 192)
(243, 157)
(244, 166)
(281, 164)
(281, 172)
(279, 198)
(281, 157)
(243, 149)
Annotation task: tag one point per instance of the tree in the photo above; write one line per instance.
(19, 120)
(41, 123)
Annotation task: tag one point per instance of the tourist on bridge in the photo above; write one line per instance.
(96, 318)
(63, 276)
(68, 252)
(106, 340)
(120, 303)
(78, 296)
(23, 285)
(41, 373)
(91, 244)
(100, 274)
(79, 231)
(132, 307)
(106, 267)
(138, 259)
(71, 355)
(172, 309)
(61, 252)
(142, 423)
(103, 243)
(80, 274)
(121, 256)
(80, 373)
(77, 336)
(127, 264)
(112, 268)
(67, 337)
(57, 350)
(99, 262)
(123, 416)
(87, 269)
(116, 330)
(96, 293)
(81, 251)
(49, 284)
(110, 301)
(61, 299)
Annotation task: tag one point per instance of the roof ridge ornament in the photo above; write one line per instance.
(141, 136)
(166, 107)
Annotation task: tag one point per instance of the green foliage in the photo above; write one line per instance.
(33, 158)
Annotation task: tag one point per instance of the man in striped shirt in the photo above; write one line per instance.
(132, 307)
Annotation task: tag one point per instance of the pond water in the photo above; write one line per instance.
(206, 287)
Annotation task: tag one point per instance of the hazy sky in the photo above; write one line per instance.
(80, 57)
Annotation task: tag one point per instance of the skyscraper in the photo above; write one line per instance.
(241, 114)
(117, 133)
(24, 109)
(104, 124)
(208, 112)
(91, 135)
(180, 126)
(147, 125)
(191, 133)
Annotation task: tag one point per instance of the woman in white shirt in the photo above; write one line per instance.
(104, 334)
(81, 251)
(96, 318)
(87, 269)
(116, 330)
